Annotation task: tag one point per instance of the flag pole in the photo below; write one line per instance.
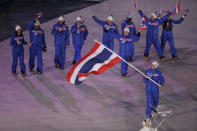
(128, 63)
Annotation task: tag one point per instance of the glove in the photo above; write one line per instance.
(44, 49)
(106, 30)
(138, 34)
(18, 43)
(185, 15)
(168, 11)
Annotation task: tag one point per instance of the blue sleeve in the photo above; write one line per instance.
(142, 14)
(162, 80)
(12, 41)
(31, 25)
(134, 29)
(102, 23)
(73, 30)
(178, 21)
(24, 42)
(67, 36)
(117, 36)
(123, 26)
(43, 41)
(116, 31)
(86, 33)
(54, 30)
(162, 19)
(30, 28)
(136, 38)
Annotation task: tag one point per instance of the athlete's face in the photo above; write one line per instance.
(126, 33)
(61, 21)
(109, 22)
(153, 67)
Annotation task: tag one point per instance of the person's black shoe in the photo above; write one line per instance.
(154, 110)
(162, 58)
(131, 59)
(124, 75)
(74, 62)
(61, 68)
(56, 65)
(14, 74)
(31, 70)
(23, 74)
(39, 72)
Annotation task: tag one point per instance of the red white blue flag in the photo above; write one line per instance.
(163, 11)
(177, 10)
(143, 24)
(128, 12)
(98, 60)
(136, 5)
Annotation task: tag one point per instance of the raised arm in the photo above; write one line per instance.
(142, 14)
(98, 21)
(31, 25)
(162, 19)
(123, 25)
(178, 21)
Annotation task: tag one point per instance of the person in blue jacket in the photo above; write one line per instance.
(37, 40)
(152, 90)
(130, 24)
(79, 35)
(153, 24)
(110, 30)
(167, 35)
(17, 42)
(125, 42)
(62, 41)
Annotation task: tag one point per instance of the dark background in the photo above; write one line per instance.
(20, 12)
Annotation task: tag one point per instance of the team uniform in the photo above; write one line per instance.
(17, 42)
(62, 39)
(79, 35)
(132, 29)
(152, 90)
(109, 32)
(167, 35)
(37, 38)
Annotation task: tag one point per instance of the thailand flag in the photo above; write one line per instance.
(163, 11)
(177, 10)
(98, 60)
(143, 24)
(136, 5)
(128, 12)
(39, 15)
